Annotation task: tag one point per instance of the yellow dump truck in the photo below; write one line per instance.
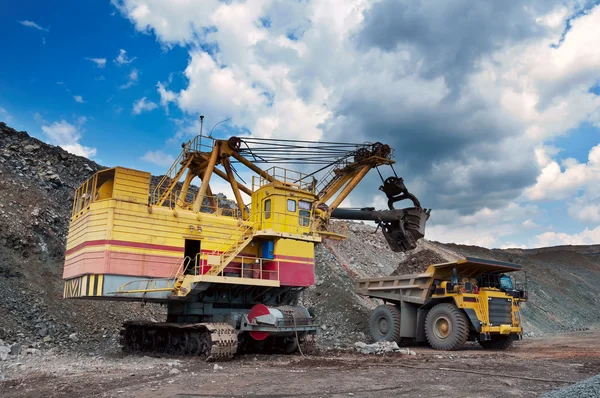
(448, 305)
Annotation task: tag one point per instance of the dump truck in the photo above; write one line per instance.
(471, 299)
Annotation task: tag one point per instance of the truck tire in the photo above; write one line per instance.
(446, 327)
(497, 342)
(385, 323)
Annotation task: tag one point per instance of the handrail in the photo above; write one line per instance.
(247, 224)
(286, 176)
(277, 222)
(177, 161)
(172, 199)
(201, 267)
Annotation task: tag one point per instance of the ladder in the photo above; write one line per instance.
(241, 238)
(327, 181)
(172, 177)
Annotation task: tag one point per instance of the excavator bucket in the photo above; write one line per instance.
(402, 228)
(402, 234)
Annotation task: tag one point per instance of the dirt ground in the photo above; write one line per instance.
(530, 368)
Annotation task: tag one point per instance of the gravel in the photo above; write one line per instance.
(588, 388)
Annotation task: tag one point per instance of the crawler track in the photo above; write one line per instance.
(213, 341)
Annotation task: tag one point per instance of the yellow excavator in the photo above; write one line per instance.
(230, 274)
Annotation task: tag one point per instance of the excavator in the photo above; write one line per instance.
(230, 273)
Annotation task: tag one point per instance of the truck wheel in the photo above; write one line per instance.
(446, 327)
(385, 323)
(497, 342)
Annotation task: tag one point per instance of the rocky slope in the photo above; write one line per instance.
(37, 182)
(36, 189)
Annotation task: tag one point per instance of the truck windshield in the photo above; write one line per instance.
(505, 282)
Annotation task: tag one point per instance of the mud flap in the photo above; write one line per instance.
(421, 315)
(408, 319)
(473, 318)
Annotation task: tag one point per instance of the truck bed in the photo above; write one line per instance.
(412, 288)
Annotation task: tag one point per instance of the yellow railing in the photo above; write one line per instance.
(290, 223)
(211, 204)
(84, 195)
(166, 181)
(233, 240)
(291, 178)
(243, 267)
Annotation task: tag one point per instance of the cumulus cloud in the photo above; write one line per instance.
(451, 226)
(34, 25)
(465, 92)
(78, 98)
(123, 59)
(159, 158)
(559, 181)
(585, 237)
(100, 62)
(67, 136)
(142, 105)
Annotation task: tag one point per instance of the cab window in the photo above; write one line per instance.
(304, 219)
(291, 205)
(268, 208)
(304, 213)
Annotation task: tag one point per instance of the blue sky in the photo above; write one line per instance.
(498, 135)
(29, 82)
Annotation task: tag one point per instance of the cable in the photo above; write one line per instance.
(297, 339)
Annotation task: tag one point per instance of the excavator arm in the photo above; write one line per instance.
(402, 228)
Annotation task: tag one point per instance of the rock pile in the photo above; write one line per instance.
(37, 183)
(381, 347)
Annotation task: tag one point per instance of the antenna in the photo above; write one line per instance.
(200, 138)
(211, 130)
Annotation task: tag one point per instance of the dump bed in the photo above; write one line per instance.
(415, 288)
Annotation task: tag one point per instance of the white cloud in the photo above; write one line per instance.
(133, 78)
(142, 105)
(100, 62)
(123, 59)
(159, 158)
(67, 136)
(530, 224)
(585, 237)
(78, 98)
(587, 213)
(172, 22)
(521, 92)
(449, 226)
(558, 181)
(32, 24)
(166, 96)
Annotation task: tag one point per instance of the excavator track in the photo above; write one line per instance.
(213, 341)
